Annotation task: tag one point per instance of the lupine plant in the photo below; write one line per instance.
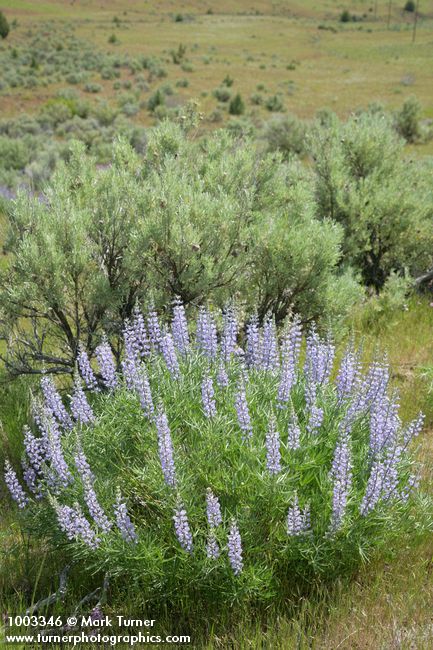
(219, 465)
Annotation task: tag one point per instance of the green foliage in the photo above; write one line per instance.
(407, 120)
(287, 135)
(410, 6)
(382, 200)
(274, 104)
(122, 451)
(345, 16)
(222, 94)
(198, 220)
(178, 55)
(4, 26)
(155, 100)
(237, 105)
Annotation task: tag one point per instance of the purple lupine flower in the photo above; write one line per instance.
(58, 474)
(54, 402)
(206, 334)
(376, 382)
(290, 350)
(298, 521)
(382, 483)
(413, 429)
(182, 529)
(30, 478)
(140, 333)
(96, 512)
(294, 432)
(86, 371)
(179, 327)
(315, 419)
(132, 348)
(319, 358)
(348, 373)
(230, 333)
(142, 388)
(169, 353)
(234, 548)
(269, 361)
(242, 411)
(208, 397)
(341, 476)
(124, 523)
(154, 329)
(14, 487)
(75, 525)
(165, 447)
(273, 455)
(253, 356)
(35, 449)
(384, 423)
(213, 509)
(106, 363)
(80, 407)
(129, 371)
(212, 547)
(222, 376)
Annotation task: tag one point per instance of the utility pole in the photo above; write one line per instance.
(415, 20)
(389, 12)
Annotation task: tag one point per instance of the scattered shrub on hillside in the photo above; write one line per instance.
(199, 220)
(218, 474)
(407, 120)
(228, 81)
(274, 104)
(178, 55)
(156, 99)
(4, 26)
(286, 134)
(222, 94)
(182, 83)
(237, 105)
(382, 200)
(345, 16)
(112, 39)
(410, 6)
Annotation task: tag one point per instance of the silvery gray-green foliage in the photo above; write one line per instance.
(200, 220)
(382, 199)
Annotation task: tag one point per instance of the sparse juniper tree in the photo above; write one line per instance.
(364, 182)
(199, 220)
(4, 26)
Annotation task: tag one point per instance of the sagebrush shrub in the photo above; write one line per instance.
(213, 472)
(202, 220)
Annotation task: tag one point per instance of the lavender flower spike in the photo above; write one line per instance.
(54, 403)
(179, 327)
(270, 359)
(169, 353)
(93, 505)
(181, 526)
(75, 526)
(165, 447)
(86, 370)
(341, 475)
(124, 523)
(254, 343)
(208, 397)
(140, 333)
(234, 547)
(212, 548)
(222, 376)
(106, 364)
(17, 492)
(290, 349)
(154, 328)
(80, 407)
(206, 334)
(273, 455)
(213, 509)
(242, 411)
(298, 521)
(294, 432)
